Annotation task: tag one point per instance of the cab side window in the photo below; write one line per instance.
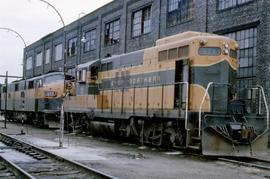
(31, 85)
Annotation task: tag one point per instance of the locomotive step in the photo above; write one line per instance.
(194, 147)
(196, 139)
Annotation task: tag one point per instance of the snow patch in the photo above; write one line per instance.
(15, 156)
(78, 153)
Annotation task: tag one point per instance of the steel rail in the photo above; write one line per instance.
(249, 164)
(237, 160)
(89, 171)
(18, 172)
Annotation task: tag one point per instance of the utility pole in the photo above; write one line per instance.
(6, 96)
(62, 116)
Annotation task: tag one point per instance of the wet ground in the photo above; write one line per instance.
(125, 160)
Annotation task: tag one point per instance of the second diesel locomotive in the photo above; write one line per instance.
(179, 93)
(37, 100)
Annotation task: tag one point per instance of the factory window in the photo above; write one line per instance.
(247, 40)
(224, 4)
(179, 11)
(39, 59)
(47, 56)
(141, 22)
(90, 41)
(72, 47)
(58, 52)
(29, 63)
(112, 32)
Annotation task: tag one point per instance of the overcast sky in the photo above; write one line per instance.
(33, 20)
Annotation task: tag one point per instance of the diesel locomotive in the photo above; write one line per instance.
(37, 100)
(179, 93)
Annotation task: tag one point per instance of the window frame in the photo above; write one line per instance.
(247, 55)
(81, 75)
(39, 83)
(47, 56)
(181, 14)
(92, 38)
(31, 84)
(142, 19)
(237, 4)
(28, 66)
(208, 54)
(17, 87)
(39, 59)
(111, 31)
(56, 50)
(72, 46)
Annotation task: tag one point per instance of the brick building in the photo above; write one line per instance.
(127, 25)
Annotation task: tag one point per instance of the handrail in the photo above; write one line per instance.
(134, 98)
(200, 109)
(162, 100)
(122, 101)
(266, 106)
(147, 101)
(187, 103)
(111, 101)
(203, 100)
(260, 102)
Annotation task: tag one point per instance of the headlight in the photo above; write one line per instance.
(203, 42)
(226, 51)
(226, 48)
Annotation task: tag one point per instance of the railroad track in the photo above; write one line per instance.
(249, 162)
(43, 164)
(262, 165)
(5, 172)
(10, 170)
